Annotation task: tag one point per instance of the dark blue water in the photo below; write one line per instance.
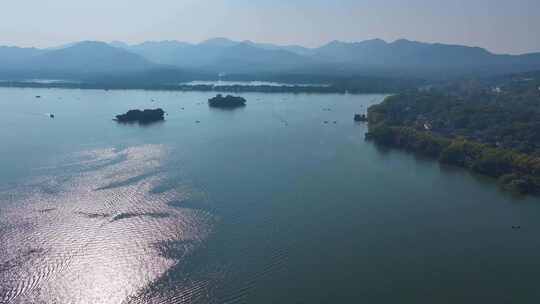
(265, 204)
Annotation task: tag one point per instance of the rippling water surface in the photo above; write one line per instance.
(279, 202)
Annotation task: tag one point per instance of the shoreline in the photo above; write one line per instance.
(514, 171)
(192, 88)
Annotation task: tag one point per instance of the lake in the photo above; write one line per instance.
(221, 83)
(278, 202)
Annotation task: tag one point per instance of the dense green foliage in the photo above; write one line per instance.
(143, 117)
(495, 132)
(228, 101)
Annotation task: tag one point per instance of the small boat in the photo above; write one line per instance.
(51, 115)
(360, 118)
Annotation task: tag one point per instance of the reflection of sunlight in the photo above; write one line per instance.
(110, 273)
(62, 244)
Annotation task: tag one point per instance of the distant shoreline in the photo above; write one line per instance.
(297, 89)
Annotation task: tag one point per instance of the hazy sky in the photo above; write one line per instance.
(503, 26)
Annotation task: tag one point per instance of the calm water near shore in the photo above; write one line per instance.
(278, 202)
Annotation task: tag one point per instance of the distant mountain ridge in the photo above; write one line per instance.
(401, 53)
(78, 60)
(217, 54)
(10, 55)
(374, 57)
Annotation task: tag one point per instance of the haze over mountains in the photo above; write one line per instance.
(175, 60)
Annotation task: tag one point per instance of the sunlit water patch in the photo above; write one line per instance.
(89, 229)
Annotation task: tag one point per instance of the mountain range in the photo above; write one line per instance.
(182, 60)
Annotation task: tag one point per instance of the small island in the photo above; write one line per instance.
(227, 102)
(143, 117)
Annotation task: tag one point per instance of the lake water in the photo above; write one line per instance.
(264, 204)
(222, 83)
